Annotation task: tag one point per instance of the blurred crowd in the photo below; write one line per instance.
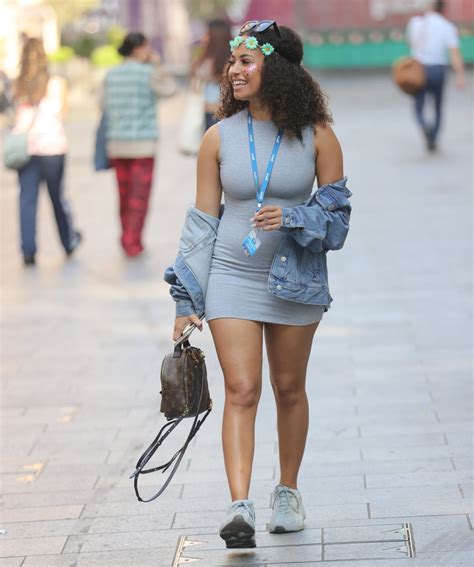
(35, 106)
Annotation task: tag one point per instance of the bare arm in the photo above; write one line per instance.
(208, 199)
(329, 161)
(161, 82)
(193, 70)
(57, 88)
(209, 189)
(458, 65)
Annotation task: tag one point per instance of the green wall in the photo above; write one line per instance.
(367, 54)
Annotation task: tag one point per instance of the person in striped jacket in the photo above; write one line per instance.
(130, 102)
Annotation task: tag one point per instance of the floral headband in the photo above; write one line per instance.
(251, 43)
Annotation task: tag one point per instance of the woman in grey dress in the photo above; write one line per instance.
(265, 91)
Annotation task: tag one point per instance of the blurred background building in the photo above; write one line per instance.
(81, 36)
(18, 18)
(337, 33)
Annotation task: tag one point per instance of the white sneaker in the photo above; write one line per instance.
(288, 512)
(238, 526)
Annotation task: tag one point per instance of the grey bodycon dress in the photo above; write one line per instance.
(238, 284)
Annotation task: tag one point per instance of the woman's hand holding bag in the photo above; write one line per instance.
(182, 322)
(184, 393)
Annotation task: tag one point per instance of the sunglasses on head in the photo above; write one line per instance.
(259, 26)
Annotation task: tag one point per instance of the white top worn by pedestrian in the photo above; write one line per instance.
(47, 136)
(431, 36)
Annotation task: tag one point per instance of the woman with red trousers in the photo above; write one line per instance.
(130, 95)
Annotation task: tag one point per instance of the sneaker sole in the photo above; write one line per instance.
(282, 530)
(238, 534)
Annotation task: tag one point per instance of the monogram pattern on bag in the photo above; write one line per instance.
(181, 380)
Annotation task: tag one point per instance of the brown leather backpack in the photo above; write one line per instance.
(183, 376)
(409, 75)
(184, 393)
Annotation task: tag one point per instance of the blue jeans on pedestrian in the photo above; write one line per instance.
(49, 169)
(434, 87)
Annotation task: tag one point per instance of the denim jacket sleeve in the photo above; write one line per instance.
(184, 303)
(322, 223)
(189, 274)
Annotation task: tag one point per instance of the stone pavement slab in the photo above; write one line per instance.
(389, 379)
(43, 513)
(32, 546)
(143, 557)
(12, 561)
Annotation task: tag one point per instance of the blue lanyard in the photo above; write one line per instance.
(261, 189)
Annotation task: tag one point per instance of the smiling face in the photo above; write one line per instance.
(245, 72)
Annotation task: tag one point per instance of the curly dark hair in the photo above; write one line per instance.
(288, 91)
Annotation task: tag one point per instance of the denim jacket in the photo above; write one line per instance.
(298, 272)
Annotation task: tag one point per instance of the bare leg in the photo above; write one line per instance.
(239, 349)
(288, 349)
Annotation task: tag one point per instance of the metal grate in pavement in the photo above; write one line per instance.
(184, 543)
(326, 545)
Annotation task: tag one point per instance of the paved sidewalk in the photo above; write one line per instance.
(387, 470)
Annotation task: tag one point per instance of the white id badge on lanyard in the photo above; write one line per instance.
(252, 241)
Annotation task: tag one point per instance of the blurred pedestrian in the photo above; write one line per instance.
(5, 93)
(208, 67)
(130, 96)
(433, 41)
(266, 277)
(40, 106)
